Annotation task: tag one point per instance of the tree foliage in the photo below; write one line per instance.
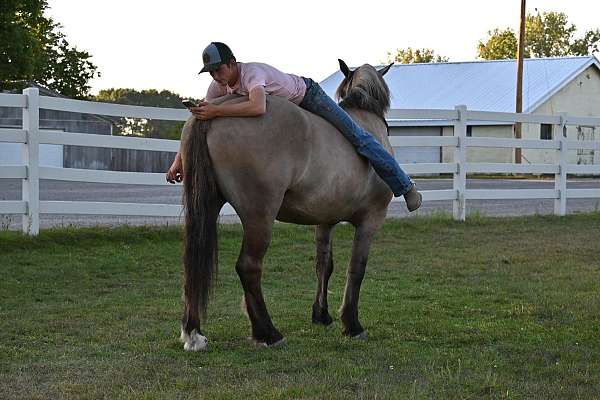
(547, 34)
(500, 45)
(148, 98)
(32, 48)
(414, 56)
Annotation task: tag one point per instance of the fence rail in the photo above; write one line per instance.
(112, 110)
(510, 117)
(13, 135)
(115, 142)
(513, 143)
(30, 207)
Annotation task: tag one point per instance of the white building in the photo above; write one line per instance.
(550, 86)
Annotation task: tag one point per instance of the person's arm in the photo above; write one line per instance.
(256, 105)
(175, 173)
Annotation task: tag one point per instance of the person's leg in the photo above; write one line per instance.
(317, 102)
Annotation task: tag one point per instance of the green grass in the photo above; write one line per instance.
(490, 308)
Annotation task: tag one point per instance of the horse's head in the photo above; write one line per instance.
(364, 88)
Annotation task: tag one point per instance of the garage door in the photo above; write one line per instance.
(409, 155)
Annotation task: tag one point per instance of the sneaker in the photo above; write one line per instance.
(413, 199)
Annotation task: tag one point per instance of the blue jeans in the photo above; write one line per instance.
(316, 101)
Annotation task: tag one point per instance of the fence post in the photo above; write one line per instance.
(31, 157)
(560, 179)
(460, 158)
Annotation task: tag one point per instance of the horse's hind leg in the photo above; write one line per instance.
(324, 268)
(257, 236)
(363, 235)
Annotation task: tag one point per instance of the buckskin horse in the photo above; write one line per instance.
(287, 165)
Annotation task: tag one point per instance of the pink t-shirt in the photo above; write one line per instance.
(274, 81)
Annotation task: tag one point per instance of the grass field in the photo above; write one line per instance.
(490, 308)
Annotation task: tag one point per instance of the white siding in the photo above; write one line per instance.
(410, 155)
(580, 97)
(487, 154)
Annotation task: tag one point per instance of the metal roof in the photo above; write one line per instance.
(480, 85)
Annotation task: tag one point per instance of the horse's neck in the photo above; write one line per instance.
(371, 122)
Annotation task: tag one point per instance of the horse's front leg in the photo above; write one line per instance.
(323, 269)
(257, 236)
(356, 271)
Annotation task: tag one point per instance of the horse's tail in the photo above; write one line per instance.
(202, 203)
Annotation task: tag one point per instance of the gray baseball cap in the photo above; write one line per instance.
(214, 55)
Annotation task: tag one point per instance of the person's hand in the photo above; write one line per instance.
(205, 111)
(175, 173)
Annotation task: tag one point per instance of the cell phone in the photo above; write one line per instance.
(189, 103)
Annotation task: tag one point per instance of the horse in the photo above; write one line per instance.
(287, 165)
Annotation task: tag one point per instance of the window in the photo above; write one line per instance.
(469, 130)
(546, 132)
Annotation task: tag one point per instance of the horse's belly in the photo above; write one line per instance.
(298, 217)
(315, 210)
(303, 218)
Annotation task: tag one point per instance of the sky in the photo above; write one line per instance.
(157, 44)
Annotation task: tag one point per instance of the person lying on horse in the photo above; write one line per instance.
(256, 80)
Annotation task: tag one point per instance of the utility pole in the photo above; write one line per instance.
(519, 102)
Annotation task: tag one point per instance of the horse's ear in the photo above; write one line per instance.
(384, 70)
(344, 68)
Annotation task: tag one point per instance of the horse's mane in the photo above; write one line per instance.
(364, 89)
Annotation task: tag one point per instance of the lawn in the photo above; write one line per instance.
(489, 308)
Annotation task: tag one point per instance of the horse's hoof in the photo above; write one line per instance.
(361, 336)
(280, 343)
(194, 341)
(330, 326)
(321, 316)
(326, 321)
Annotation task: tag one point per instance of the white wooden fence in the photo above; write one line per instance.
(30, 206)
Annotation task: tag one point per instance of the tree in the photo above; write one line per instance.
(32, 48)
(500, 45)
(18, 49)
(148, 98)
(414, 56)
(546, 35)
